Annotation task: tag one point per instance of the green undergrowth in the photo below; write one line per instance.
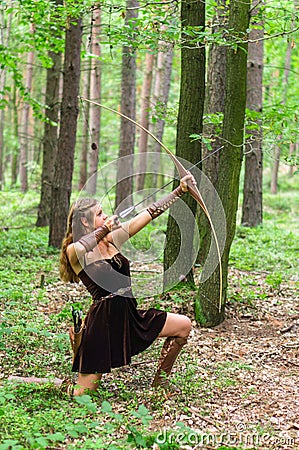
(35, 316)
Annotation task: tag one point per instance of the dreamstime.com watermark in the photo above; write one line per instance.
(240, 437)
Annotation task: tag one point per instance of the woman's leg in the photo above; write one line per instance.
(177, 328)
(87, 381)
(176, 325)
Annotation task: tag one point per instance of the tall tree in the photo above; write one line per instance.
(252, 207)
(128, 107)
(214, 110)
(159, 102)
(207, 308)
(285, 80)
(15, 126)
(144, 117)
(214, 103)
(160, 99)
(25, 120)
(50, 138)
(94, 110)
(86, 129)
(64, 165)
(5, 34)
(191, 104)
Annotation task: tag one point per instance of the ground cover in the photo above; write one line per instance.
(238, 381)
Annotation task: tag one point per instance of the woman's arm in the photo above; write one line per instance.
(131, 227)
(77, 250)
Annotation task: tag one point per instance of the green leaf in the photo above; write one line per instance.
(106, 407)
(7, 443)
(42, 442)
(85, 400)
(55, 437)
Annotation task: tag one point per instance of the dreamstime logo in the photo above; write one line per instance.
(247, 438)
(149, 252)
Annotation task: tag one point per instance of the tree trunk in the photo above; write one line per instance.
(214, 105)
(277, 148)
(207, 308)
(161, 88)
(50, 139)
(191, 103)
(215, 95)
(25, 122)
(164, 69)
(15, 150)
(144, 118)
(64, 165)
(94, 110)
(293, 150)
(86, 132)
(252, 208)
(5, 34)
(124, 186)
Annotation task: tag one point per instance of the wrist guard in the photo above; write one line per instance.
(90, 240)
(157, 208)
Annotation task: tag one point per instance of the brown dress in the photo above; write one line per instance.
(115, 329)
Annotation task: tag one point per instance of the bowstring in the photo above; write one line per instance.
(174, 178)
(99, 162)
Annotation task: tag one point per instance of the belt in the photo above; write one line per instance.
(120, 291)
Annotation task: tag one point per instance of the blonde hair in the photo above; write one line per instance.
(75, 230)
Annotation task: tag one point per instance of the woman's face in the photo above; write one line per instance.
(99, 217)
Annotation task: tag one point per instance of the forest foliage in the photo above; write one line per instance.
(49, 18)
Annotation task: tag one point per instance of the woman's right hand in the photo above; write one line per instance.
(112, 223)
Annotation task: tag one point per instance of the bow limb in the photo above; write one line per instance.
(198, 197)
(182, 172)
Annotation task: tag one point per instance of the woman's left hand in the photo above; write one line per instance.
(185, 179)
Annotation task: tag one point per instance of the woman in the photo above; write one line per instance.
(114, 329)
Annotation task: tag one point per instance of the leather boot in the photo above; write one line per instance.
(170, 350)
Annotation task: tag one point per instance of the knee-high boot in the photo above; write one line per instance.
(169, 353)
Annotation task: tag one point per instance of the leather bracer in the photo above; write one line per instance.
(90, 240)
(157, 208)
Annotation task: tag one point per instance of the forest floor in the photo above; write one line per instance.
(239, 380)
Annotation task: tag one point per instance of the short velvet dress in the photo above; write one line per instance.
(115, 329)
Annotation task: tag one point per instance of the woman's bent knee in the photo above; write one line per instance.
(187, 325)
(176, 325)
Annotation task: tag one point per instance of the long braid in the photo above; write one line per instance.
(75, 230)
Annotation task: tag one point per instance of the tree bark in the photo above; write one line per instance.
(15, 150)
(94, 110)
(64, 165)
(5, 35)
(277, 148)
(215, 94)
(252, 207)
(207, 303)
(50, 139)
(124, 186)
(86, 132)
(293, 150)
(191, 104)
(144, 118)
(160, 101)
(214, 105)
(25, 122)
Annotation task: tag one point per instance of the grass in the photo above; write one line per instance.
(35, 317)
